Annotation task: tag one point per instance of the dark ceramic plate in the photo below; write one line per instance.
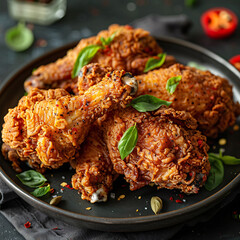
(133, 213)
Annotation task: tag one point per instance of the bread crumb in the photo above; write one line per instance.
(88, 208)
(139, 197)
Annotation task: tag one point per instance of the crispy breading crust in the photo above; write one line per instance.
(47, 127)
(207, 97)
(129, 51)
(94, 171)
(170, 151)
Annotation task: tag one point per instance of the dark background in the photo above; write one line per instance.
(86, 18)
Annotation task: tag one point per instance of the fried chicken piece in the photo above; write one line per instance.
(47, 127)
(170, 152)
(90, 75)
(207, 97)
(94, 170)
(129, 50)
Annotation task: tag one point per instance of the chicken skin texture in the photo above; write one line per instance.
(207, 97)
(170, 152)
(94, 170)
(129, 50)
(48, 126)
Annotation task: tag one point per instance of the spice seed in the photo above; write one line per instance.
(235, 127)
(55, 201)
(156, 204)
(88, 208)
(139, 197)
(121, 197)
(222, 141)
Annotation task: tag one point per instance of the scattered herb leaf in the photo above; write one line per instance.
(41, 191)
(26, 93)
(107, 41)
(172, 84)
(196, 65)
(155, 62)
(147, 102)
(216, 173)
(84, 57)
(19, 38)
(32, 178)
(128, 141)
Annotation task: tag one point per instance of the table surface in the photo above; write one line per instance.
(85, 18)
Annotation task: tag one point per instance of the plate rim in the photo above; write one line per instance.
(128, 220)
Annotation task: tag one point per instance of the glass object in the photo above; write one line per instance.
(40, 12)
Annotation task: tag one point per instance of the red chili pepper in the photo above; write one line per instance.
(200, 142)
(74, 129)
(68, 186)
(171, 198)
(27, 224)
(181, 195)
(128, 27)
(235, 61)
(219, 22)
(179, 201)
(107, 51)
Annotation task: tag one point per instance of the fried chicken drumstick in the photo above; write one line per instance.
(47, 127)
(94, 170)
(129, 50)
(170, 152)
(209, 98)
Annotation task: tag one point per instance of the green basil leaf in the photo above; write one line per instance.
(107, 41)
(190, 3)
(230, 160)
(172, 84)
(41, 191)
(128, 141)
(216, 173)
(154, 62)
(32, 178)
(226, 159)
(84, 57)
(147, 102)
(196, 65)
(19, 38)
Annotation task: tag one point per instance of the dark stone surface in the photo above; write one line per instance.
(85, 18)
